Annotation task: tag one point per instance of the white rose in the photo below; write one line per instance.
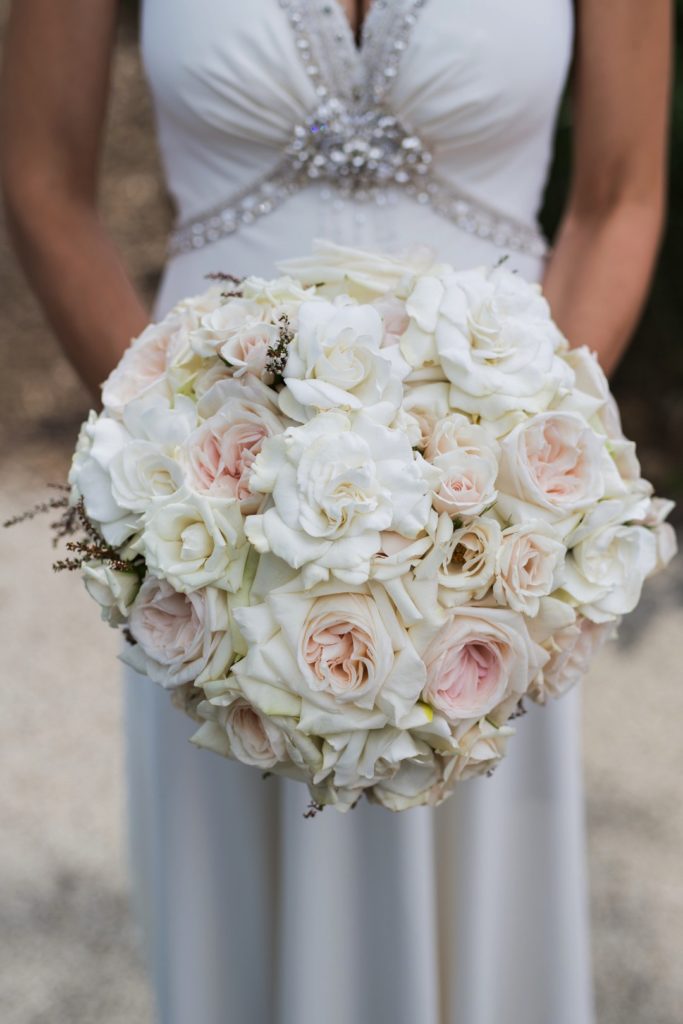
(479, 659)
(113, 589)
(417, 783)
(101, 439)
(609, 560)
(140, 473)
(193, 540)
(481, 746)
(654, 516)
(336, 486)
(361, 758)
(492, 334)
(179, 638)
(427, 403)
(394, 317)
(280, 294)
(529, 566)
(552, 467)
(362, 275)
(164, 421)
(238, 730)
(335, 657)
(336, 361)
(234, 727)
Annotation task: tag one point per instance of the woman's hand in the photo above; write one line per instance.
(600, 270)
(53, 103)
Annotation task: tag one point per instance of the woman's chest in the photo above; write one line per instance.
(455, 70)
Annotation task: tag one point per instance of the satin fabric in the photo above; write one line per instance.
(471, 913)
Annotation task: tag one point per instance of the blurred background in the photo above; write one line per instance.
(68, 954)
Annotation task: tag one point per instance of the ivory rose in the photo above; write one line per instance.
(100, 440)
(232, 727)
(464, 563)
(218, 326)
(478, 659)
(193, 540)
(113, 589)
(492, 335)
(341, 269)
(336, 361)
(427, 403)
(361, 758)
(456, 432)
(529, 566)
(609, 560)
(336, 485)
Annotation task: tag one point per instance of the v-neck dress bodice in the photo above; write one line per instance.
(473, 85)
(473, 912)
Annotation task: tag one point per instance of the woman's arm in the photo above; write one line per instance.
(600, 270)
(53, 103)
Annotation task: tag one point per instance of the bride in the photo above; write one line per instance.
(266, 112)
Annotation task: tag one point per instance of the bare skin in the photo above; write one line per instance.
(51, 118)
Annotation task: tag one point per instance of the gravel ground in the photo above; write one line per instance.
(67, 951)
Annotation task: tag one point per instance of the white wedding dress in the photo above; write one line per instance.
(476, 912)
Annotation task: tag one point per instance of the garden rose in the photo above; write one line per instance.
(552, 467)
(336, 657)
(571, 654)
(479, 658)
(219, 454)
(179, 638)
(529, 566)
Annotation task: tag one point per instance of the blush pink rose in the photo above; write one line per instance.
(394, 318)
(553, 462)
(220, 453)
(346, 649)
(253, 738)
(142, 368)
(179, 636)
(467, 484)
(575, 648)
(478, 659)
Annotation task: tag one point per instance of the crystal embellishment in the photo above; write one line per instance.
(352, 141)
(357, 150)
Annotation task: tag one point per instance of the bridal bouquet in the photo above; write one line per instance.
(352, 518)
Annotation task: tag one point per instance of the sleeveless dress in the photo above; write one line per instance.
(474, 912)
